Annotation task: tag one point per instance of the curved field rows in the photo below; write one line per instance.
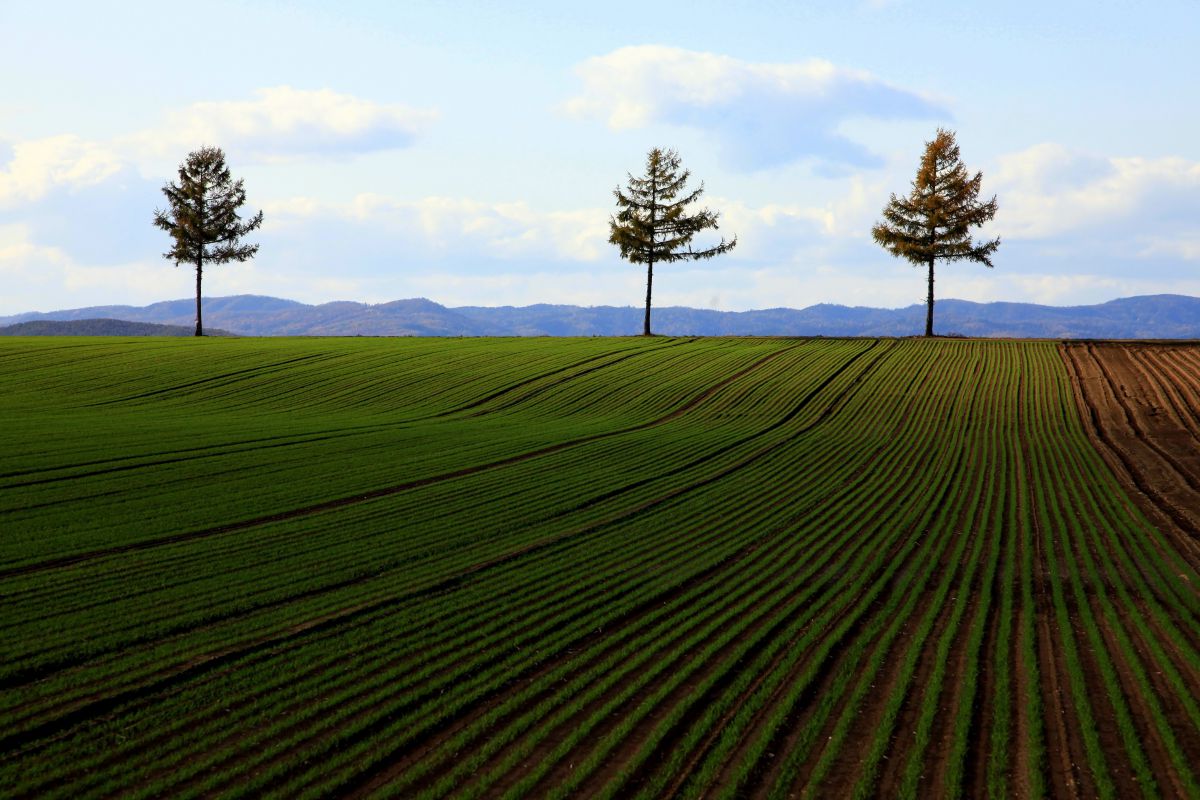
(601, 568)
(1141, 406)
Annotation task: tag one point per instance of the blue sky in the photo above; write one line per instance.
(467, 152)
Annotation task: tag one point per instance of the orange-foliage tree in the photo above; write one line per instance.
(934, 222)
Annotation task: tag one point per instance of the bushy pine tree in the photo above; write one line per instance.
(653, 224)
(203, 216)
(934, 222)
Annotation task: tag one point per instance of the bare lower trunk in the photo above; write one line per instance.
(199, 323)
(649, 282)
(929, 303)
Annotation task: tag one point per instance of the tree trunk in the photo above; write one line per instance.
(929, 303)
(649, 282)
(199, 324)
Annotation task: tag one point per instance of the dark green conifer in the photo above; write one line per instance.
(653, 225)
(934, 222)
(203, 216)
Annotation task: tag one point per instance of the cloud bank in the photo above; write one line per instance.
(1140, 209)
(760, 114)
(446, 228)
(283, 123)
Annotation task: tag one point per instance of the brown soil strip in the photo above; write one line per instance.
(1116, 758)
(891, 773)
(843, 778)
(791, 727)
(1022, 730)
(983, 712)
(1173, 381)
(1064, 746)
(1139, 446)
(1024, 682)
(1148, 733)
(1144, 407)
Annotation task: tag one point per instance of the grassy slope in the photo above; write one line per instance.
(650, 553)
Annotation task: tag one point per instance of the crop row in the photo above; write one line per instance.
(849, 568)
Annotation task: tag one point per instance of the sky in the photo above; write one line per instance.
(468, 152)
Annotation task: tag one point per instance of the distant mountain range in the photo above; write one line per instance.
(99, 327)
(1150, 317)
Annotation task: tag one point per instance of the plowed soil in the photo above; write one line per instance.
(713, 568)
(1141, 408)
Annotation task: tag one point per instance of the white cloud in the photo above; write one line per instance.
(1186, 246)
(283, 122)
(41, 277)
(1047, 191)
(761, 114)
(17, 250)
(442, 226)
(447, 229)
(39, 166)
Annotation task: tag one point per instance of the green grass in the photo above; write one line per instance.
(547, 567)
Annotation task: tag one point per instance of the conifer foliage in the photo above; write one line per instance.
(203, 216)
(934, 222)
(653, 225)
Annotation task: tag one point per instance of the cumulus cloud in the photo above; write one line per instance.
(1048, 191)
(38, 166)
(283, 122)
(760, 114)
(93, 199)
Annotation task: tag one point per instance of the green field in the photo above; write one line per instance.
(581, 567)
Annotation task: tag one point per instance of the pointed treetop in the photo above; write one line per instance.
(933, 222)
(653, 223)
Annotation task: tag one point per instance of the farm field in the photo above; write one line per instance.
(1141, 409)
(598, 567)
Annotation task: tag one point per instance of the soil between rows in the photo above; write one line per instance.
(1140, 406)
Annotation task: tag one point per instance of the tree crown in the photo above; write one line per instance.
(202, 217)
(652, 223)
(935, 220)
